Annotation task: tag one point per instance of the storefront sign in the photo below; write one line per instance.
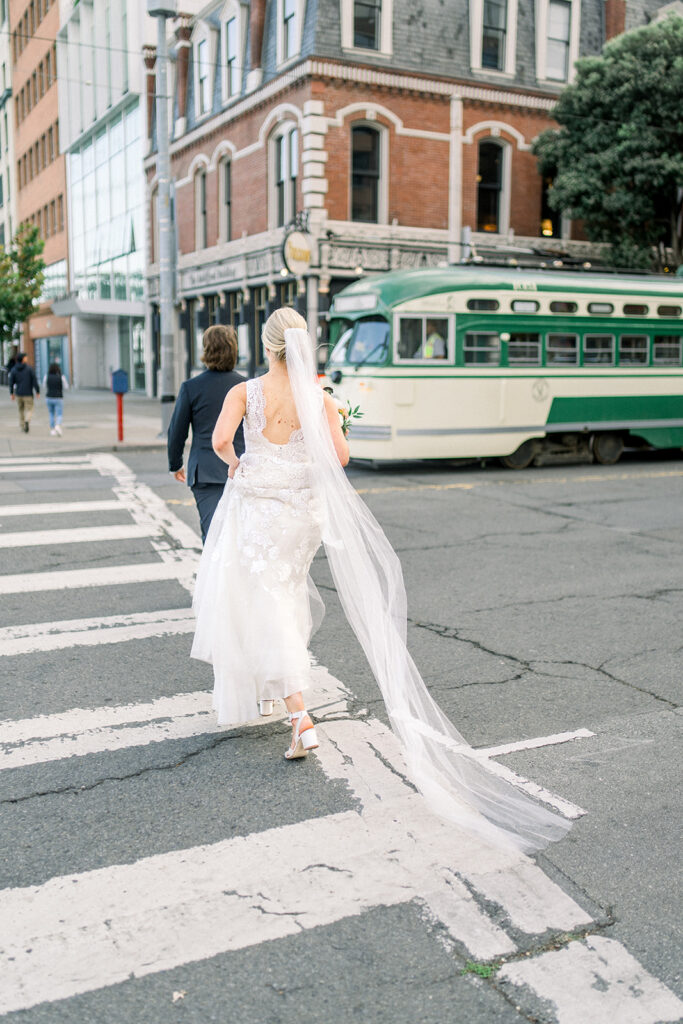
(297, 253)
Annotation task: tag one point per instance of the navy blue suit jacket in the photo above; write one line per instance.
(198, 405)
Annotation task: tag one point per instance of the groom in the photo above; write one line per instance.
(198, 405)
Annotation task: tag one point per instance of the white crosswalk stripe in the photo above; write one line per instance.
(76, 933)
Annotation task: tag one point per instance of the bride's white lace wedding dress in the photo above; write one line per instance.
(255, 611)
(253, 595)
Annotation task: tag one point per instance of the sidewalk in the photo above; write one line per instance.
(89, 425)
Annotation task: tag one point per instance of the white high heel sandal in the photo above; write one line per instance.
(303, 739)
(265, 708)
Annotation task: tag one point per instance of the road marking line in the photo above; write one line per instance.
(48, 467)
(57, 507)
(80, 535)
(110, 629)
(540, 741)
(35, 460)
(107, 576)
(595, 980)
(541, 479)
(569, 810)
(82, 731)
(146, 507)
(101, 927)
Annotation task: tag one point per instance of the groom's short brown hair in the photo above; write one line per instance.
(220, 348)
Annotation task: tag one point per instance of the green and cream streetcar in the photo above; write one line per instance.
(475, 361)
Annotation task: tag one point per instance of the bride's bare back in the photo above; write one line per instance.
(280, 412)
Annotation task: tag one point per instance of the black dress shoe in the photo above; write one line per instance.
(26, 428)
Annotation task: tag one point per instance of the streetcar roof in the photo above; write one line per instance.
(403, 285)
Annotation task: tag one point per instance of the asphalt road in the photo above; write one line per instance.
(156, 869)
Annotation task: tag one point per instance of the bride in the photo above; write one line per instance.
(256, 606)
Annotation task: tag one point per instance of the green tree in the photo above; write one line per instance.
(21, 280)
(617, 158)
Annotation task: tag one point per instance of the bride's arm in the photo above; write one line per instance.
(338, 440)
(232, 414)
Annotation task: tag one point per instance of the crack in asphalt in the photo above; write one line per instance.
(254, 732)
(451, 633)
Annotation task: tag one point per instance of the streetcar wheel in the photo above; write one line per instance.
(521, 458)
(607, 448)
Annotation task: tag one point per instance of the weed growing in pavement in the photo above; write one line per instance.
(481, 970)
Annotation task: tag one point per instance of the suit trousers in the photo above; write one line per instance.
(207, 497)
(25, 407)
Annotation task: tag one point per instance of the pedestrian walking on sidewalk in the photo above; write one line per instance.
(54, 385)
(22, 385)
(198, 405)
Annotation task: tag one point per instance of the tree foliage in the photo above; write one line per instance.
(21, 280)
(617, 158)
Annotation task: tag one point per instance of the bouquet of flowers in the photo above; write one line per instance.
(348, 413)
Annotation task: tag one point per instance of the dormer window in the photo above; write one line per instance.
(289, 29)
(233, 30)
(557, 39)
(367, 25)
(231, 58)
(202, 77)
(493, 36)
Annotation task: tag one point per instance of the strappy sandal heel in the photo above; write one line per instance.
(265, 708)
(304, 739)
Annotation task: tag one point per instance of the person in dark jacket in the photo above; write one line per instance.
(54, 386)
(22, 384)
(198, 405)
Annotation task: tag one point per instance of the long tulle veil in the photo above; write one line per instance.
(452, 777)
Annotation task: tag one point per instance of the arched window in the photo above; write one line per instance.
(200, 222)
(366, 172)
(490, 175)
(285, 170)
(225, 199)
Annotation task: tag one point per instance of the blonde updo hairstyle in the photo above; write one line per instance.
(273, 333)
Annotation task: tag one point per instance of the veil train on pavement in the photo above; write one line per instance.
(452, 777)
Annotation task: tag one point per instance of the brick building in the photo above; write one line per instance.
(40, 169)
(394, 135)
(8, 217)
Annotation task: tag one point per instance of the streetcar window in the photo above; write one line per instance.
(561, 348)
(633, 350)
(600, 307)
(669, 310)
(635, 309)
(484, 304)
(423, 338)
(410, 338)
(524, 306)
(563, 307)
(598, 348)
(338, 355)
(524, 349)
(666, 350)
(482, 349)
(369, 342)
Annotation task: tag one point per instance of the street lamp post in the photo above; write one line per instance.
(161, 10)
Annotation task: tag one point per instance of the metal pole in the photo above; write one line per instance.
(161, 11)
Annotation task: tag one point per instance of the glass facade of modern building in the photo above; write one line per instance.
(107, 209)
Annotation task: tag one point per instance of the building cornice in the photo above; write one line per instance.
(360, 74)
